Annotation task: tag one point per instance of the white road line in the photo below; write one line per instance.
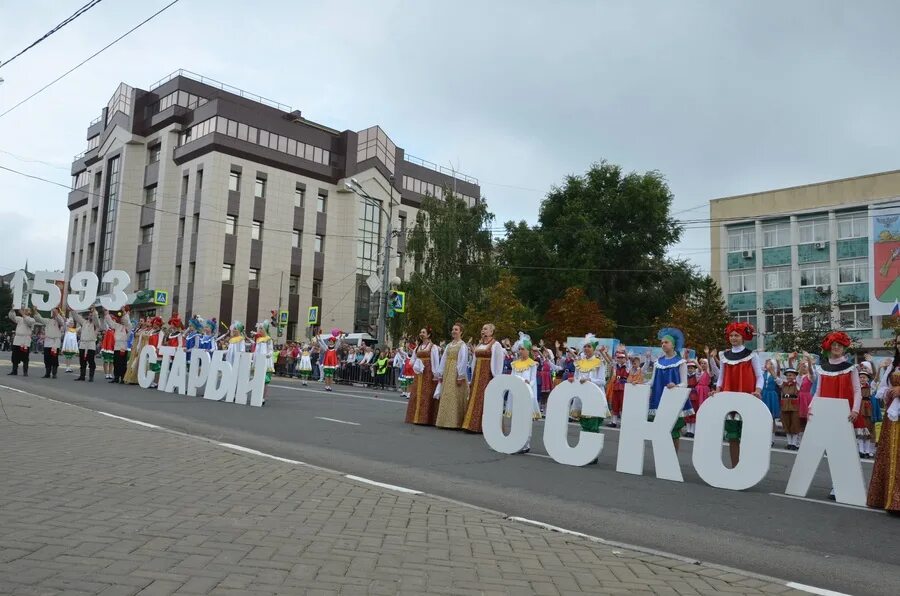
(336, 420)
(341, 394)
(249, 451)
(538, 455)
(138, 422)
(814, 590)
(832, 503)
(400, 489)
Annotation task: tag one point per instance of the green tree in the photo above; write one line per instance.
(574, 315)
(806, 334)
(606, 232)
(452, 250)
(422, 310)
(701, 315)
(502, 307)
(5, 305)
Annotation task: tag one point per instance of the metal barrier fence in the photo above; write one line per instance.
(345, 374)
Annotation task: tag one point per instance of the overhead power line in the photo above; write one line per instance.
(92, 56)
(71, 18)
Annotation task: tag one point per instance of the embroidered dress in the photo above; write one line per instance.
(669, 370)
(866, 411)
(330, 359)
(740, 372)
(422, 407)
(770, 394)
(454, 394)
(619, 378)
(884, 488)
(702, 389)
(489, 362)
(589, 370)
(305, 366)
(70, 343)
(804, 399)
(234, 350)
(527, 371)
(108, 345)
(406, 374)
(265, 346)
(840, 380)
(693, 382)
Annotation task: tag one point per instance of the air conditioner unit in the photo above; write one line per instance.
(820, 246)
(821, 288)
(748, 254)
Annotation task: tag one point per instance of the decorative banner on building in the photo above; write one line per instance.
(884, 258)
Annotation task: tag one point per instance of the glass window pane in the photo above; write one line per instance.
(264, 138)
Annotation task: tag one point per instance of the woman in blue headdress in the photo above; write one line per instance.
(670, 371)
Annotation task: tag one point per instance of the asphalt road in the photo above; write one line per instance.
(360, 432)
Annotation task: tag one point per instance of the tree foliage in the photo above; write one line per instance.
(806, 335)
(573, 315)
(701, 315)
(606, 232)
(452, 249)
(422, 310)
(502, 307)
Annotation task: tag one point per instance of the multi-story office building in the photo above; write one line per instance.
(237, 205)
(775, 253)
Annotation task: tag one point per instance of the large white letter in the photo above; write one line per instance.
(176, 379)
(636, 429)
(167, 352)
(492, 418)
(241, 374)
(145, 359)
(255, 385)
(756, 441)
(556, 426)
(828, 432)
(221, 378)
(198, 372)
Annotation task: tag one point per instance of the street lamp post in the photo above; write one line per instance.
(355, 187)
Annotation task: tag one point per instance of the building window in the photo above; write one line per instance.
(98, 179)
(295, 238)
(319, 244)
(227, 273)
(154, 152)
(854, 225)
(147, 234)
(234, 181)
(741, 281)
(779, 320)
(199, 184)
(150, 194)
(109, 215)
(181, 227)
(777, 279)
(300, 196)
(82, 179)
(374, 143)
(259, 190)
(744, 316)
(94, 215)
(813, 230)
(317, 288)
(294, 284)
(256, 230)
(322, 202)
(776, 234)
(185, 182)
(143, 280)
(253, 280)
(369, 236)
(855, 271)
(196, 224)
(855, 316)
(815, 275)
(741, 239)
(191, 268)
(811, 318)
(90, 254)
(230, 223)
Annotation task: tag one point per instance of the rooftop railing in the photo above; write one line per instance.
(441, 169)
(224, 87)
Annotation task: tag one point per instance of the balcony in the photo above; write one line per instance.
(78, 197)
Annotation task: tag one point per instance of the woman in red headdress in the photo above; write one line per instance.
(741, 373)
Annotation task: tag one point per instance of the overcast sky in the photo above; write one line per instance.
(724, 98)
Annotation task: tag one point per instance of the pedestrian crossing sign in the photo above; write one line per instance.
(397, 301)
(283, 318)
(160, 297)
(313, 317)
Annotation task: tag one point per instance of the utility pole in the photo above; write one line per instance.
(386, 269)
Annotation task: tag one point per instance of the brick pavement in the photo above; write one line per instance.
(94, 505)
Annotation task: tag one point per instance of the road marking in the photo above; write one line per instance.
(260, 453)
(138, 422)
(832, 503)
(814, 590)
(353, 395)
(336, 420)
(401, 489)
(538, 455)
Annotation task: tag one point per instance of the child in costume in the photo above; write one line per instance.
(636, 374)
(770, 395)
(107, 349)
(236, 343)
(790, 408)
(525, 367)
(669, 371)
(330, 359)
(865, 437)
(704, 383)
(806, 379)
(740, 372)
(207, 340)
(192, 337)
(70, 344)
(265, 346)
(620, 374)
(407, 374)
(156, 339)
(305, 365)
(589, 368)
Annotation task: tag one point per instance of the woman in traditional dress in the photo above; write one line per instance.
(236, 343)
(740, 373)
(141, 334)
(426, 359)
(589, 369)
(107, 349)
(525, 368)
(70, 344)
(619, 378)
(770, 394)
(330, 358)
(884, 488)
(693, 381)
(265, 346)
(454, 383)
(669, 371)
(806, 378)
(489, 357)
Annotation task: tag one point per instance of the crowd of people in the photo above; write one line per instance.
(445, 381)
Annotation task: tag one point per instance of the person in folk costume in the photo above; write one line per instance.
(806, 378)
(70, 343)
(636, 372)
(54, 329)
(304, 367)
(693, 382)
(884, 487)
(839, 379)
(589, 369)
(141, 335)
(454, 382)
(207, 339)
(265, 346)
(89, 330)
(407, 374)
(770, 396)
(107, 349)
(192, 336)
(120, 323)
(24, 323)
(545, 377)
(426, 365)
(237, 343)
(175, 334)
(865, 437)
(330, 357)
(489, 359)
(740, 372)
(790, 407)
(620, 374)
(669, 371)
(704, 383)
(526, 368)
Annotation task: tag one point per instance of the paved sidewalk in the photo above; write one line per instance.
(95, 505)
